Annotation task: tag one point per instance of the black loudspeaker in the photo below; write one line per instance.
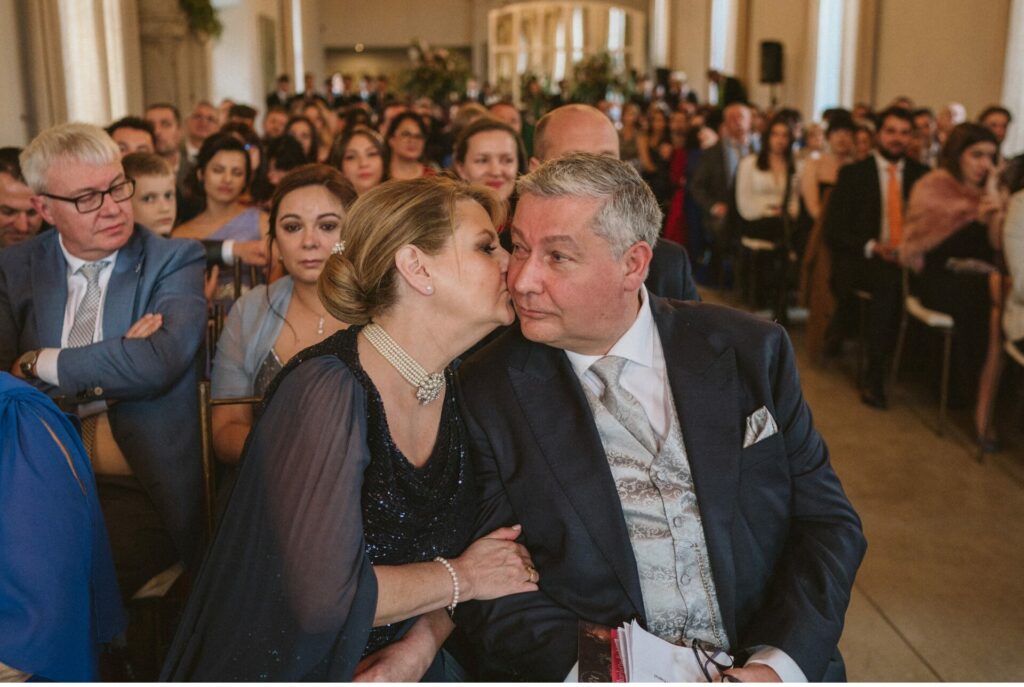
(771, 62)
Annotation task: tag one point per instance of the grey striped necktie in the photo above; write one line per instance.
(83, 331)
(621, 404)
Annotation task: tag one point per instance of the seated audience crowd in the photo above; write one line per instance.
(407, 300)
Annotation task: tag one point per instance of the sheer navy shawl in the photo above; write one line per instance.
(58, 592)
(287, 591)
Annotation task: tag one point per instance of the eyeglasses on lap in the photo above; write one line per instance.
(92, 201)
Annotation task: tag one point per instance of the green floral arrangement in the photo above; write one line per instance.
(595, 77)
(435, 73)
(202, 18)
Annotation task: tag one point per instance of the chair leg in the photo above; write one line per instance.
(862, 341)
(944, 391)
(898, 355)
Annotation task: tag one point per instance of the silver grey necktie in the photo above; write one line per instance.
(83, 331)
(623, 405)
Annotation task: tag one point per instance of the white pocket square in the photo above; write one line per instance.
(760, 426)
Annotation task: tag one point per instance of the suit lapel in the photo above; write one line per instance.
(49, 291)
(118, 306)
(705, 388)
(873, 195)
(560, 418)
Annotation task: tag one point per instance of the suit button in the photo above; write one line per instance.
(98, 391)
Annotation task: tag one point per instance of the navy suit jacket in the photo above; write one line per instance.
(150, 383)
(783, 540)
(670, 274)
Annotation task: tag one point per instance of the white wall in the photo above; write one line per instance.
(13, 104)
(236, 57)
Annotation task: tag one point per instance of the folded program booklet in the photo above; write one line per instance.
(631, 654)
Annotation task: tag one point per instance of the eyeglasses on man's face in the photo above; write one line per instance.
(91, 201)
(409, 136)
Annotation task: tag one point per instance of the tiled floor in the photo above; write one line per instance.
(940, 596)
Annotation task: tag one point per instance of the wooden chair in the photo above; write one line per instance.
(208, 460)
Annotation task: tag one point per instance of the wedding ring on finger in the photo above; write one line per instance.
(534, 576)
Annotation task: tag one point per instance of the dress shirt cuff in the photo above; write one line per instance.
(92, 408)
(227, 252)
(779, 661)
(46, 366)
(869, 248)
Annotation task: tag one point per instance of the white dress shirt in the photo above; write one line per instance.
(46, 365)
(646, 377)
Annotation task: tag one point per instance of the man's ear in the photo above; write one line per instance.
(412, 265)
(42, 207)
(534, 163)
(637, 261)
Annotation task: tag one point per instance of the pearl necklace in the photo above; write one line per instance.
(428, 386)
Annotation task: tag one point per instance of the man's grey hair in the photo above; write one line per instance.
(81, 142)
(630, 212)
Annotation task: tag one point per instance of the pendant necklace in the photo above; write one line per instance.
(428, 385)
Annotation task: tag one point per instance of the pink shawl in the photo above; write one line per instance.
(939, 207)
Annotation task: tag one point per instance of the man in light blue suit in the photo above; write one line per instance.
(107, 318)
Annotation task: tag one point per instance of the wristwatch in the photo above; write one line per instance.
(28, 364)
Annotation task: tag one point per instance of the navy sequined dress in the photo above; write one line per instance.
(287, 591)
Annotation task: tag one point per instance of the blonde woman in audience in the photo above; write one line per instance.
(324, 122)
(362, 156)
(223, 172)
(863, 139)
(270, 324)
(355, 502)
(819, 174)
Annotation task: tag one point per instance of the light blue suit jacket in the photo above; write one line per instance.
(150, 383)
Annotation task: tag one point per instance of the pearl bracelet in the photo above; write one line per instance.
(455, 582)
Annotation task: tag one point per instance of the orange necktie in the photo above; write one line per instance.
(894, 207)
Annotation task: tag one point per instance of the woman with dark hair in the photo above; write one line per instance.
(250, 140)
(349, 531)
(283, 155)
(951, 238)
(223, 173)
(269, 324)
(407, 140)
(362, 156)
(764, 185)
(768, 201)
(302, 130)
(489, 152)
(654, 146)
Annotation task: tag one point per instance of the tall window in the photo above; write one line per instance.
(835, 54)
(723, 35)
(92, 38)
(545, 39)
(300, 66)
(1013, 77)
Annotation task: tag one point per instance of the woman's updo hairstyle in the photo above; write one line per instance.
(311, 175)
(362, 281)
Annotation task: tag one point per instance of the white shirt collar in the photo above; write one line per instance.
(637, 345)
(883, 164)
(75, 263)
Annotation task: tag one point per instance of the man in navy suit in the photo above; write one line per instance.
(585, 129)
(863, 221)
(658, 454)
(106, 318)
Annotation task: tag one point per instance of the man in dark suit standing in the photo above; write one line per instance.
(713, 180)
(282, 94)
(106, 318)
(863, 228)
(658, 454)
(585, 129)
(730, 89)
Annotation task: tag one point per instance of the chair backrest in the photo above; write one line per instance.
(208, 459)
